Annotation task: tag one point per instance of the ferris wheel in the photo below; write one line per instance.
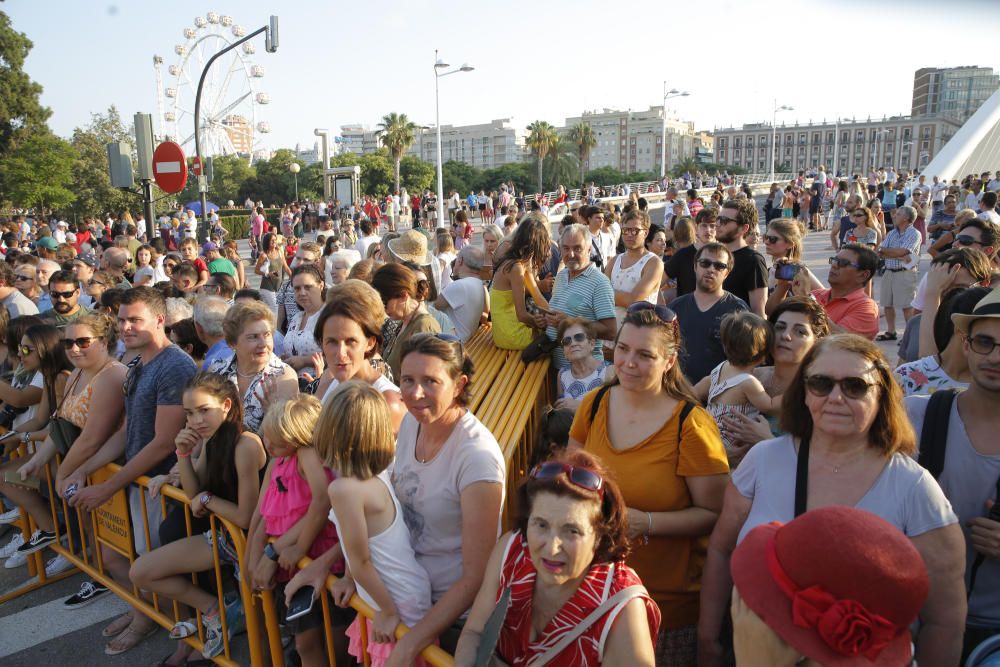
(230, 98)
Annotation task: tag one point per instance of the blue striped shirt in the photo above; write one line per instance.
(588, 295)
(910, 239)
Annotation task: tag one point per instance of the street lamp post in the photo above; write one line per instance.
(438, 66)
(667, 94)
(774, 131)
(295, 168)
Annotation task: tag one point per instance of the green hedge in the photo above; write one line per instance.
(236, 226)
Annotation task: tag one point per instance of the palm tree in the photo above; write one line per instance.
(396, 133)
(541, 138)
(582, 135)
(561, 162)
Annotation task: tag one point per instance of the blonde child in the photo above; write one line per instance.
(731, 387)
(292, 510)
(354, 436)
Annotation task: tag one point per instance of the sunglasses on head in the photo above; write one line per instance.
(707, 263)
(584, 478)
(447, 338)
(83, 343)
(578, 337)
(850, 387)
(666, 315)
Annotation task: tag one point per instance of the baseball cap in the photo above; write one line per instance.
(209, 246)
(87, 259)
(48, 243)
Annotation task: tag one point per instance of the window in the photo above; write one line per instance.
(802, 139)
(829, 137)
(815, 137)
(860, 136)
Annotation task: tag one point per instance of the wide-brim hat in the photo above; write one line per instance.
(410, 246)
(839, 585)
(988, 307)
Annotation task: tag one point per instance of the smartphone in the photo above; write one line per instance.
(786, 271)
(8, 434)
(31, 481)
(301, 604)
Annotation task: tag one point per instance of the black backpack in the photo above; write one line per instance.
(934, 433)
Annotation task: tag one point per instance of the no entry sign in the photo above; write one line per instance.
(169, 167)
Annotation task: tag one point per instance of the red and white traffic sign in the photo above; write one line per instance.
(196, 166)
(170, 167)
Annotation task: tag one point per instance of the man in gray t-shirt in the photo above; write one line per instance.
(10, 297)
(971, 473)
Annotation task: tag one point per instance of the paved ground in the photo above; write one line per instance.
(35, 630)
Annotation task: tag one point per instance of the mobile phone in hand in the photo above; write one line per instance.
(301, 604)
(786, 271)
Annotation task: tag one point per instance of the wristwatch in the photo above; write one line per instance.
(206, 498)
(270, 552)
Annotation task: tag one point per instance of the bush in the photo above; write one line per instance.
(236, 226)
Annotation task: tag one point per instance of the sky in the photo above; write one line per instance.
(340, 62)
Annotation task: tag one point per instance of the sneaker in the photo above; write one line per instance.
(17, 559)
(10, 548)
(39, 540)
(56, 565)
(11, 516)
(214, 645)
(89, 591)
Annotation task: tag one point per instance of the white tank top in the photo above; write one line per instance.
(396, 564)
(625, 280)
(381, 385)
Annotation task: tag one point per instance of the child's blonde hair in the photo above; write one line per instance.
(354, 433)
(292, 421)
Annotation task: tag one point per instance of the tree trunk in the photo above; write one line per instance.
(540, 158)
(398, 159)
(583, 159)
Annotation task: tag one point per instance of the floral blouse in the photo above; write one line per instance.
(925, 376)
(253, 410)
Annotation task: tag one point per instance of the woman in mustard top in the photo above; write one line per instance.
(667, 455)
(514, 280)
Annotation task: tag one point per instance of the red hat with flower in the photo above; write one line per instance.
(838, 584)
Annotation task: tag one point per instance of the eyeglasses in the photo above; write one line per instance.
(725, 219)
(966, 240)
(631, 231)
(770, 238)
(578, 337)
(209, 288)
(858, 215)
(666, 315)
(707, 263)
(983, 345)
(25, 350)
(850, 387)
(842, 263)
(132, 376)
(83, 343)
(584, 478)
(96, 282)
(18, 276)
(62, 295)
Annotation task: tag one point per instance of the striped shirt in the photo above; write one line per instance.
(909, 239)
(588, 295)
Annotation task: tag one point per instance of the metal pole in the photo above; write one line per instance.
(663, 136)
(147, 208)
(203, 227)
(440, 170)
(296, 175)
(774, 135)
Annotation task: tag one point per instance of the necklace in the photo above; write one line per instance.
(248, 375)
(843, 464)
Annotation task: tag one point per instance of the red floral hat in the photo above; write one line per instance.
(838, 584)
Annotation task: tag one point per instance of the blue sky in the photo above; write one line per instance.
(354, 62)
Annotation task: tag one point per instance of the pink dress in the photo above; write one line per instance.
(286, 501)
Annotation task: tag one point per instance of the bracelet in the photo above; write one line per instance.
(649, 528)
(181, 455)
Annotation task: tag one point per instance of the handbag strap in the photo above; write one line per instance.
(622, 596)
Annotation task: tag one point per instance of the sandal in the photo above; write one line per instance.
(183, 629)
(133, 638)
(888, 335)
(117, 626)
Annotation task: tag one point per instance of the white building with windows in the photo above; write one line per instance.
(904, 142)
(483, 146)
(357, 139)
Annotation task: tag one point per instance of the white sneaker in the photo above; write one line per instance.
(56, 565)
(11, 516)
(16, 560)
(10, 548)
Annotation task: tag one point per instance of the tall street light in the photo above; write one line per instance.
(774, 131)
(295, 168)
(667, 94)
(438, 66)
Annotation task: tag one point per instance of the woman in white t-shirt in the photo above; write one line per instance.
(633, 275)
(300, 348)
(449, 476)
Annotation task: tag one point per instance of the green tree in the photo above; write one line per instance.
(688, 164)
(582, 135)
(460, 177)
(21, 113)
(561, 164)
(415, 174)
(605, 176)
(396, 134)
(38, 172)
(541, 138)
(229, 172)
(376, 170)
(91, 172)
(517, 172)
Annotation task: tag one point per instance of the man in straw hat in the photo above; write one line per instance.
(961, 437)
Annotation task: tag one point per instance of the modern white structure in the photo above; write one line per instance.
(974, 149)
(483, 146)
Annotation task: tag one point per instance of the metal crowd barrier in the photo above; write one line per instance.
(110, 526)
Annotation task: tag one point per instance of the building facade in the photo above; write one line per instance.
(955, 92)
(846, 147)
(483, 146)
(357, 139)
(240, 133)
(630, 141)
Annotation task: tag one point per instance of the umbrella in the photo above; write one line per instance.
(196, 207)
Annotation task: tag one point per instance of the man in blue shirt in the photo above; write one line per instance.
(209, 312)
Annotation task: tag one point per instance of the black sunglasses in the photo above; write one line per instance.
(707, 264)
(62, 295)
(770, 238)
(666, 315)
(447, 338)
(584, 478)
(83, 342)
(132, 376)
(578, 337)
(966, 240)
(842, 262)
(851, 387)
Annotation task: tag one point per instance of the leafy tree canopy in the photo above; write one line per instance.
(38, 172)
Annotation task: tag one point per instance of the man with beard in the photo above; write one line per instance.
(700, 312)
(64, 291)
(680, 266)
(843, 227)
(747, 279)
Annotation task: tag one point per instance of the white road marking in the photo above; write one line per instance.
(37, 625)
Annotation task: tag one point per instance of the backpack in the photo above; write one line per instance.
(934, 433)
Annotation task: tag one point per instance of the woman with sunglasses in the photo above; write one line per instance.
(848, 442)
(633, 275)
(783, 244)
(564, 562)
(42, 354)
(667, 452)
(585, 372)
(865, 229)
